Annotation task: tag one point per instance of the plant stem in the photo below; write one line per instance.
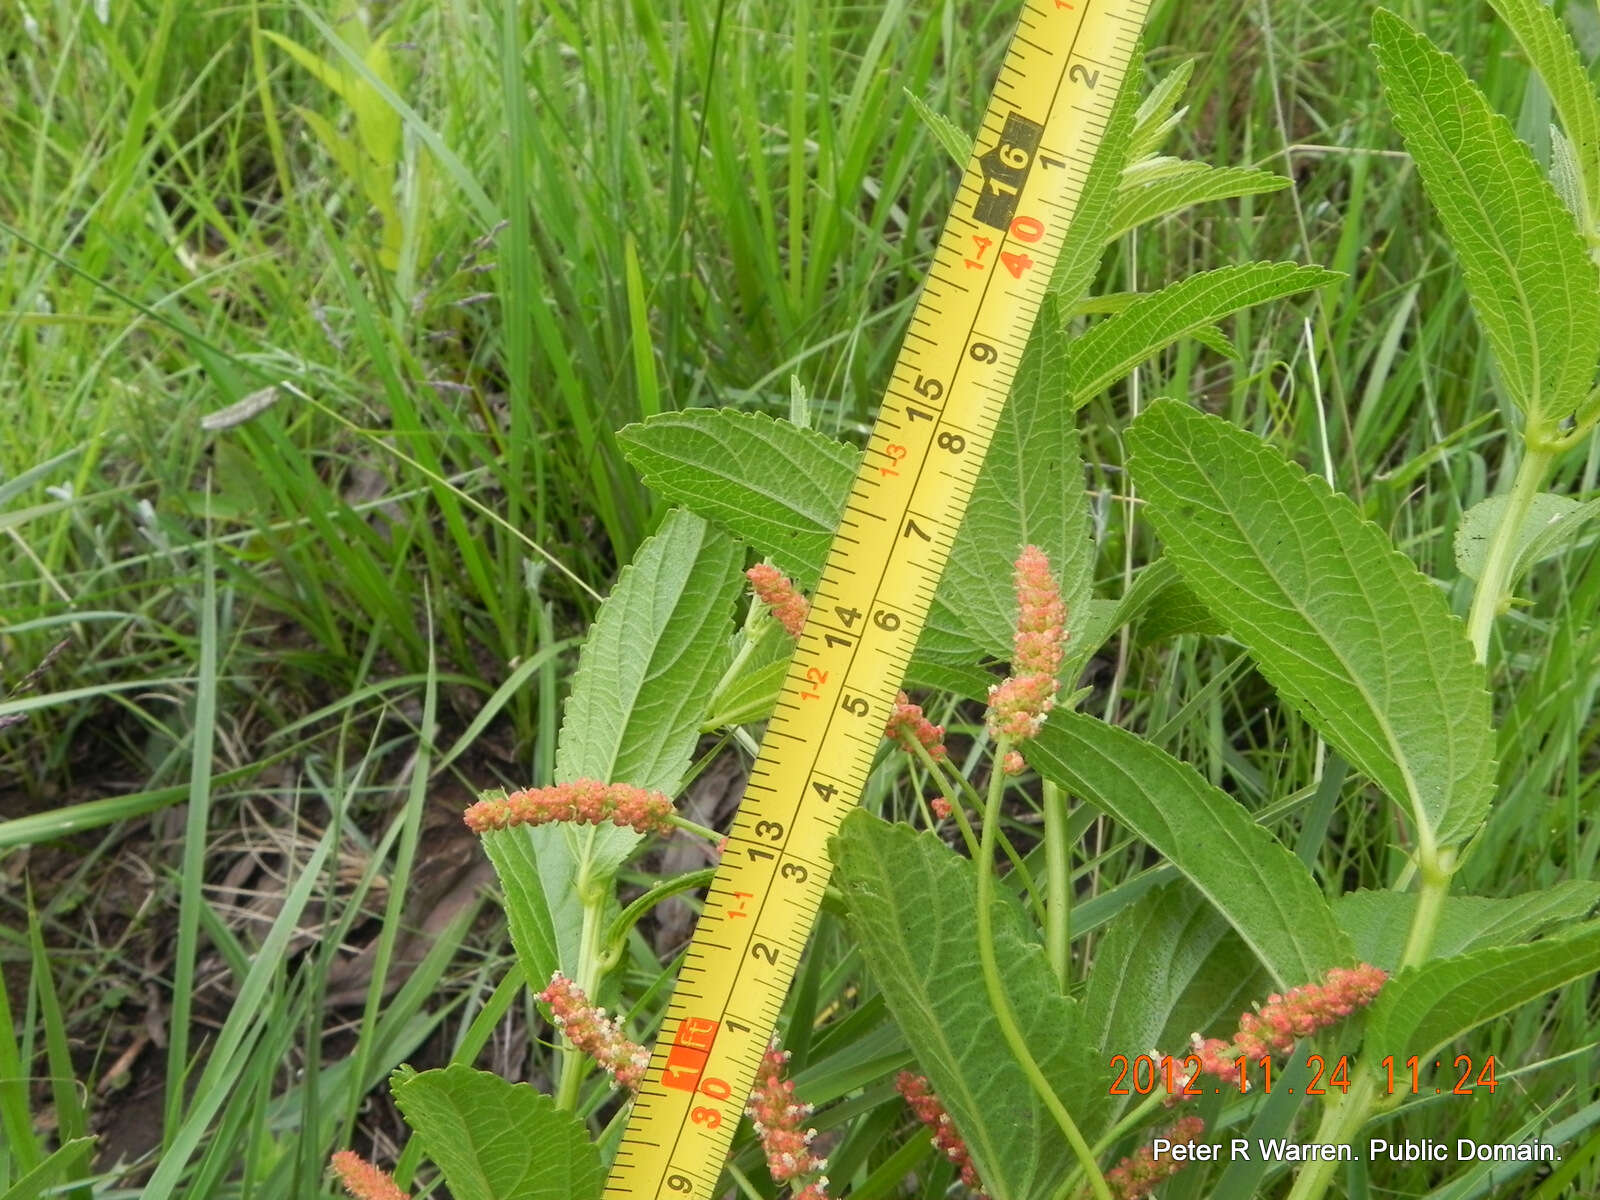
(1347, 1113)
(592, 894)
(1058, 883)
(995, 987)
(1493, 579)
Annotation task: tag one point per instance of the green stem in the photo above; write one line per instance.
(1493, 580)
(592, 894)
(995, 987)
(1347, 1113)
(1058, 883)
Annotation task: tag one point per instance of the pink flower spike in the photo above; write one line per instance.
(1287, 1018)
(774, 589)
(1018, 707)
(919, 1095)
(363, 1180)
(1138, 1174)
(780, 1123)
(584, 801)
(941, 807)
(595, 1034)
(907, 725)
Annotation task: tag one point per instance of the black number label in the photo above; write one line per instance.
(983, 352)
(848, 615)
(793, 871)
(679, 1183)
(1079, 73)
(856, 706)
(912, 528)
(931, 388)
(952, 442)
(771, 830)
(768, 954)
(913, 413)
(886, 620)
(825, 790)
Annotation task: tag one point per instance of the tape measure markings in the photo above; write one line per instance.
(938, 419)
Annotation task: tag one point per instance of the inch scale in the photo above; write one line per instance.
(1044, 123)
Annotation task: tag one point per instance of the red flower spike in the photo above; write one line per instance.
(363, 1180)
(774, 589)
(919, 1095)
(583, 801)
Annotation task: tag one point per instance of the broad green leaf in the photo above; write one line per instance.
(1163, 186)
(1534, 287)
(1550, 49)
(657, 647)
(913, 908)
(496, 1140)
(1245, 873)
(1159, 971)
(332, 76)
(1114, 347)
(1340, 622)
(1085, 242)
(956, 142)
(1159, 113)
(768, 482)
(1378, 922)
(1030, 490)
(1553, 523)
(1423, 1009)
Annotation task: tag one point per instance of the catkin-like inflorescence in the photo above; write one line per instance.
(780, 1122)
(1277, 1025)
(909, 727)
(584, 801)
(595, 1034)
(1018, 707)
(363, 1180)
(1139, 1173)
(774, 589)
(918, 1093)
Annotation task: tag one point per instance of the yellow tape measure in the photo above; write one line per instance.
(1044, 123)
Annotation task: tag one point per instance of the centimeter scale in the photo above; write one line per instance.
(1044, 123)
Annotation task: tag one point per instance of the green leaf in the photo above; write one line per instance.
(1167, 967)
(1264, 891)
(1547, 44)
(912, 905)
(1085, 241)
(956, 142)
(1533, 286)
(1160, 187)
(1553, 523)
(496, 1140)
(1114, 347)
(1030, 490)
(1424, 1008)
(750, 695)
(1338, 620)
(1159, 113)
(658, 645)
(1378, 922)
(768, 482)
(46, 1177)
(657, 648)
(774, 485)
